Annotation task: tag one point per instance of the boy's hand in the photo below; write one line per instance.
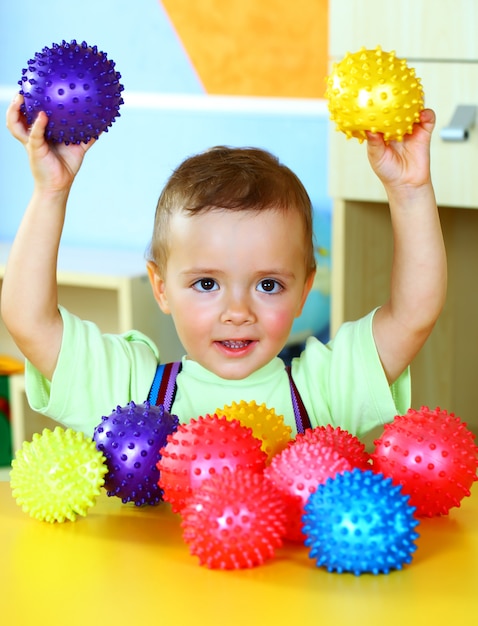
(407, 162)
(54, 166)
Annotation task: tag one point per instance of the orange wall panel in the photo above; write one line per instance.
(255, 47)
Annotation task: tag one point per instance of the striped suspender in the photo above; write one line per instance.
(302, 420)
(163, 391)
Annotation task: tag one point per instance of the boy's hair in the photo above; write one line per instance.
(233, 179)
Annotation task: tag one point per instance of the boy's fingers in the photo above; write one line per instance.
(15, 123)
(428, 119)
(37, 130)
(40, 123)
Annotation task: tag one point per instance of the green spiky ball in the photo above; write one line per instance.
(58, 475)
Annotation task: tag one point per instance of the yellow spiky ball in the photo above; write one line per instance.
(57, 475)
(373, 90)
(265, 424)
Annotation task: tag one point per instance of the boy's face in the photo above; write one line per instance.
(234, 283)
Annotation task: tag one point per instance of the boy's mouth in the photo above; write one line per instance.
(236, 344)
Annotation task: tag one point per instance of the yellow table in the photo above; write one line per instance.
(126, 565)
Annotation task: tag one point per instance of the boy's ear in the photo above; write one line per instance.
(307, 287)
(158, 287)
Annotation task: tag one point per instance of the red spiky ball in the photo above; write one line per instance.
(234, 520)
(204, 447)
(297, 471)
(346, 444)
(433, 456)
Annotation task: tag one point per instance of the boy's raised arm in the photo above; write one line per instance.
(29, 304)
(419, 271)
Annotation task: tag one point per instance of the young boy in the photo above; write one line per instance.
(232, 261)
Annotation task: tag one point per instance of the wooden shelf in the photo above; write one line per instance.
(444, 373)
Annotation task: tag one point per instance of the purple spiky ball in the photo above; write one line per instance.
(78, 88)
(131, 439)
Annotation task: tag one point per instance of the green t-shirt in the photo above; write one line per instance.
(341, 383)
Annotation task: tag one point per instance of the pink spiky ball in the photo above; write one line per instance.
(297, 471)
(201, 448)
(433, 456)
(347, 445)
(234, 520)
(78, 88)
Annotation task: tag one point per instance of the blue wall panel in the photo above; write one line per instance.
(113, 201)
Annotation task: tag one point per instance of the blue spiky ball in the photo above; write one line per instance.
(359, 522)
(78, 88)
(131, 439)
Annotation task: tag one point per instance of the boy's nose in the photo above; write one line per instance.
(237, 310)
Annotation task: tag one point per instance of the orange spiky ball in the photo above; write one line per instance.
(265, 424)
(373, 90)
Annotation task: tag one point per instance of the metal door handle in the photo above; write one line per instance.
(461, 123)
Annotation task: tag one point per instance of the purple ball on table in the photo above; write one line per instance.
(77, 87)
(131, 439)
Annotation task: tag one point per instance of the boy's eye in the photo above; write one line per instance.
(268, 285)
(206, 284)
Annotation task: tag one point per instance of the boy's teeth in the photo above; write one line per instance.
(235, 344)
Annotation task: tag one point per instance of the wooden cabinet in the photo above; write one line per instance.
(107, 287)
(427, 29)
(439, 41)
